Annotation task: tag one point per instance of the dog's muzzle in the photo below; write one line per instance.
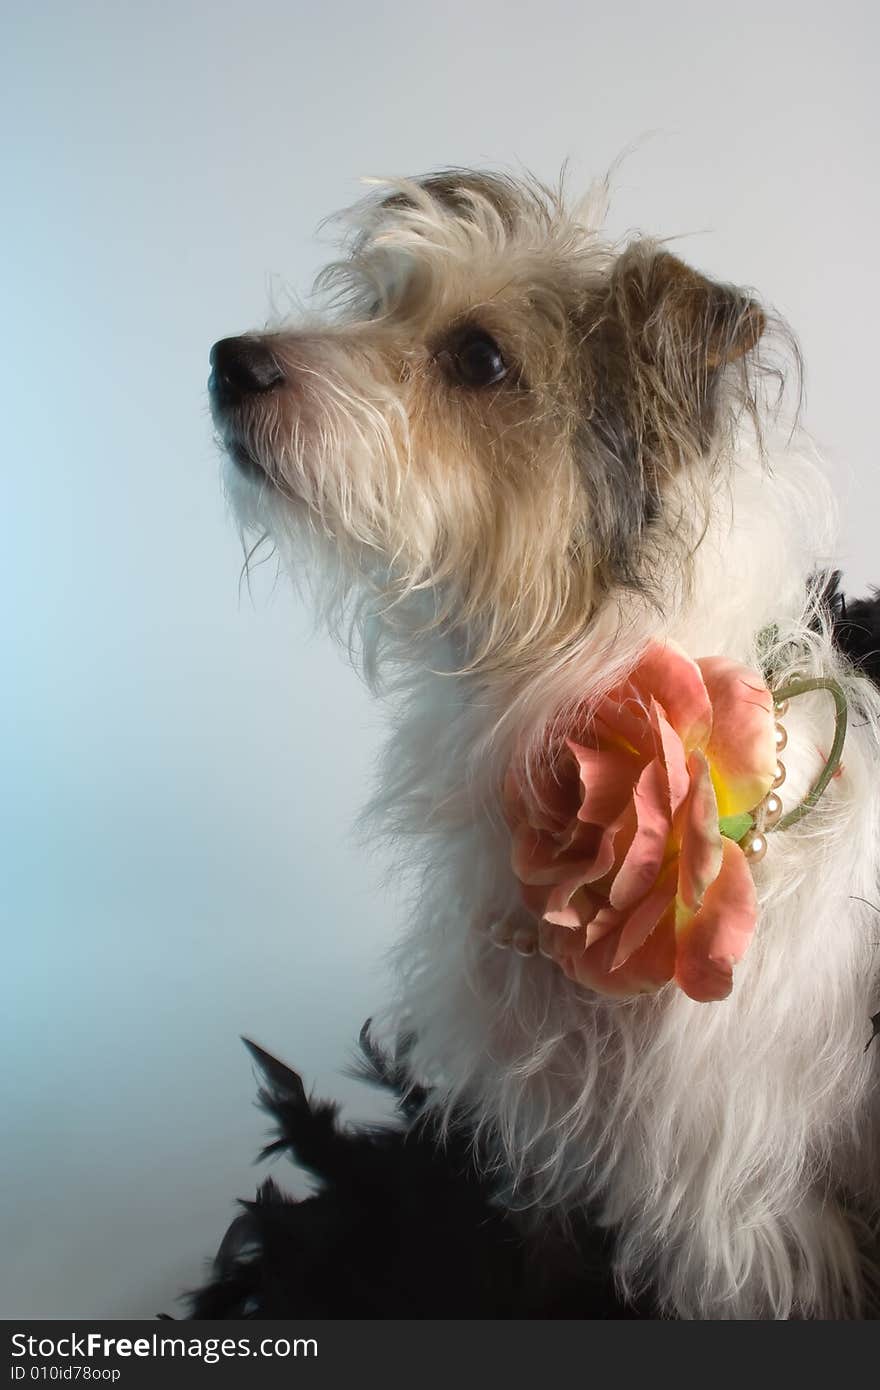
(242, 367)
(243, 370)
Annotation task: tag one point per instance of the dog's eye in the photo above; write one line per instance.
(477, 360)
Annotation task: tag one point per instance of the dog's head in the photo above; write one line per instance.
(494, 408)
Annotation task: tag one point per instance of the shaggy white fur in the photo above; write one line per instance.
(725, 1141)
(734, 1147)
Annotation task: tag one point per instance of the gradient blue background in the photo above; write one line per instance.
(182, 764)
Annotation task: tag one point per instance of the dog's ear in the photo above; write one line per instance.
(679, 322)
(659, 343)
(656, 345)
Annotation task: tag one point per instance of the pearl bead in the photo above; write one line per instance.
(501, 933)
(780, 775)
(525, 942)
(781, 738)
(772, 809)
(780, 709)
(754, 847)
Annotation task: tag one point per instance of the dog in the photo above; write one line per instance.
(517, 466)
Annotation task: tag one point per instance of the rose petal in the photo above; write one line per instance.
(646, 970)
(571, 904)
(536, 859)
(620, 725)
(530, 853)
(642, 920)
(606, 777)
(742, 746)
(671, 751)
(700, 855)
(606, 920)
(711, 942)
(542, 796)
(534, 898)
(581, 909)
(644, 857)
(676, 683)
(558, 942)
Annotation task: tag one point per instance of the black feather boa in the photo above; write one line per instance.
(401, 1225)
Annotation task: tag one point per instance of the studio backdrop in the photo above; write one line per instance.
(183, 758)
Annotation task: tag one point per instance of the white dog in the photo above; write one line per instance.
(532, 469)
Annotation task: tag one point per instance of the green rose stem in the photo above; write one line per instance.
(802, 687)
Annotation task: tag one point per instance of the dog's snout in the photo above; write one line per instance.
(244, 367)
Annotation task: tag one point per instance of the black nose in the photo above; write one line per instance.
(243, 367)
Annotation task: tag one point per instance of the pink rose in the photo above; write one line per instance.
(616, 843)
